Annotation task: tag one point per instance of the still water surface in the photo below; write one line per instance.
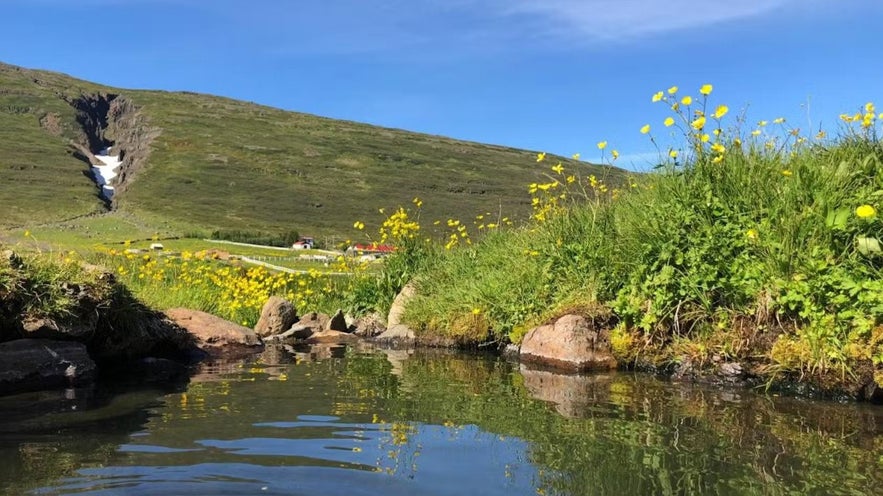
(328, 421)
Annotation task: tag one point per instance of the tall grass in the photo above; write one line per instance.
(762, 247)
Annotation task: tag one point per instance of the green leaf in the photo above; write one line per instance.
(868, 246)
(837, 219)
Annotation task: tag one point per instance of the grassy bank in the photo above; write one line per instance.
(756, 245)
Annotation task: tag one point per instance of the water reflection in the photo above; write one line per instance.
(331, 420)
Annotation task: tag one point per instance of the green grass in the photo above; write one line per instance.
(759, 255)
(225, 164)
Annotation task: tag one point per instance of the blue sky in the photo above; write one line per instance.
(553, 75)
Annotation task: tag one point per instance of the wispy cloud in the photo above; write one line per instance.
(604, 20)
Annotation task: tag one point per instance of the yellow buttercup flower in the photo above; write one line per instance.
(706, 89)
(718, 148)
(615, 154)
(704, 138)
(673, 153)
(787, 173)
(645, 129)
(602, 145)
(558, 168)
(541, 157)
(668, 122)
(672, 90)
(721, 111)
(699, 123)
(575, 156)
(751, 234)
(657, 96)
(779, 120)
(865, 212)
(687, 100)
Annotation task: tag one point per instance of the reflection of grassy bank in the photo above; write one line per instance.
(635, 435)
(754, 245)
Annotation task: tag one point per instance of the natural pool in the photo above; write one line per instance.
(327, 420)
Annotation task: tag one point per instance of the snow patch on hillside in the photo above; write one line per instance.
(106, 172)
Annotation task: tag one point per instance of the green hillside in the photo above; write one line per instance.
(205, 162)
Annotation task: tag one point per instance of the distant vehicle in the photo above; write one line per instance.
(305, 243)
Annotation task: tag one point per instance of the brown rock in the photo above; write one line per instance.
(46, 328)
(329, 336)
(572, 343)
(397, 310)
(213, 331)
(35, 364)
(314, 321)
(369, 325)
(338, 322)
(398, 332)
(277, 316)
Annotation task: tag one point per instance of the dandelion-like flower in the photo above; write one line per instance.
(645, 129)
(672, 90)
(699, 123)
(706, 89)
(602, 145)
(657, 96)
(673, 153)
(687, 100)
(865, 212)
(669, 122)
(721, 111)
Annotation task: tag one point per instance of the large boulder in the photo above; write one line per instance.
(211, 331)
(277, 316)
(572, 343)
(35, 364)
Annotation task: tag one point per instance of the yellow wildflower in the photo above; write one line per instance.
(687, 100)
(672, 90)
(706, 89)
(615, 154)
(541, 156)
(575, 156)
(718, 148)
(721, 111)
(699, 123)
(645, 129)
(787, 173)
(751, 234)
(558, 168)
(657, 96)
(778, 120)
(865, 212)
(602, 145)
(673, 153)
(704, 138)
(359, 225)
(668, 122)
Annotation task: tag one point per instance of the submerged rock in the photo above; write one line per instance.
(571, 343)
(331, 336)
(36, 364)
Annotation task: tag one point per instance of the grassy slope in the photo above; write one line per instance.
(41, 181)
(221, 163)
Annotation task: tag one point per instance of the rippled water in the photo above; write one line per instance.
(334, 421)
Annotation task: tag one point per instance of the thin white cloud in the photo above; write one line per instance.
(604, 20)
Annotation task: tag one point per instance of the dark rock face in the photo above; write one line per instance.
(277, 316)
(338, 322)
(571, 343)
(36, 364)
(211, 331)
